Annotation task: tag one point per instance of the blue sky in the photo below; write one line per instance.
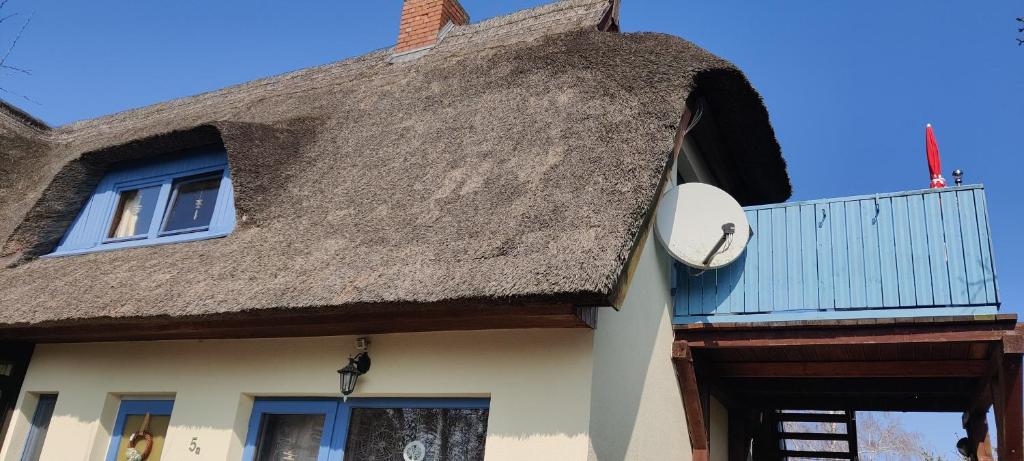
(849, 85)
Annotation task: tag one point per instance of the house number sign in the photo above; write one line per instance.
(194, 446)
(415, 451)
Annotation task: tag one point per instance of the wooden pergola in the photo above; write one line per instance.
(921, 364)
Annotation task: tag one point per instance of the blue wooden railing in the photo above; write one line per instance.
(917, 253)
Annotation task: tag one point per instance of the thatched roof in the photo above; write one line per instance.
(515, 162)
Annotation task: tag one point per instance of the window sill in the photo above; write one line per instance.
(136, 243)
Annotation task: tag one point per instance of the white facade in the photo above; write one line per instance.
(561, 394)
(538, 382)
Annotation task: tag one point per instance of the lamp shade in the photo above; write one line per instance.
(349, 374)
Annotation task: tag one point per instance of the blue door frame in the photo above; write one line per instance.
(135, 407)
(337, 415)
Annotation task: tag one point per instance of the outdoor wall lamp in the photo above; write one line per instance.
(357, 366)
(963, 446)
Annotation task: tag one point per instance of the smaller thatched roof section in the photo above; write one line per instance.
(514, 163)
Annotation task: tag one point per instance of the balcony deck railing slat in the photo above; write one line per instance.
(855, 254)
(794, 257)
(954, 244)
(891, 252)
(749, 262)
(987, 258)
(809, 257)
(937, 252)
(871, 227)
(888, 266)
(972, 248)
(840, 255)
(823, 250)
(780, 279)
(922, 277)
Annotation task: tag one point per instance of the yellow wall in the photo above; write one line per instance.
(538, 382)
(637, 409)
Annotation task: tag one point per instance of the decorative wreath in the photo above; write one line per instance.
(132, 453)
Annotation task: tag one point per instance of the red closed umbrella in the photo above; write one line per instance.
(934, 161)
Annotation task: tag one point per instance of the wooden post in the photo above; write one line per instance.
(1010, 408)
(980, 444)
(851, 434)
(686, 374)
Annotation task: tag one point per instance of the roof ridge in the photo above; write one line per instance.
(22, 117)
(458, 38)
(526, 14)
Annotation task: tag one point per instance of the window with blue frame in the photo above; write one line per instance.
(361, 429)
(188, 197)
(40, 425)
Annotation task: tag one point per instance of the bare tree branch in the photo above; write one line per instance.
(3, 60)
(16, 69)
(4, 66)
(33, 101)
(881, 437)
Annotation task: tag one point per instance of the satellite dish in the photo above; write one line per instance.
(701, 226)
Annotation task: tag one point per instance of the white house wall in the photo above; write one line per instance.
(637, 409)
(538, 382)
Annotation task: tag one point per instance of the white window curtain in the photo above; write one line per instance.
(129, 219)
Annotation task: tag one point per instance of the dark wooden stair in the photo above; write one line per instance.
(785, 435)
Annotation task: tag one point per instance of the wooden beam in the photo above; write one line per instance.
(865, 394)
(1007, 320)
(981, 398)
(1013, 343)
(1010, 406)
(905, 403)
(845, 386)
(692, 406)
(587, 315)
(887, 369)
(842, 336)
(308, 323)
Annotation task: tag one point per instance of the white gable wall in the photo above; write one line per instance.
(636, 407)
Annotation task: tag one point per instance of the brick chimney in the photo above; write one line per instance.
(423, 20)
